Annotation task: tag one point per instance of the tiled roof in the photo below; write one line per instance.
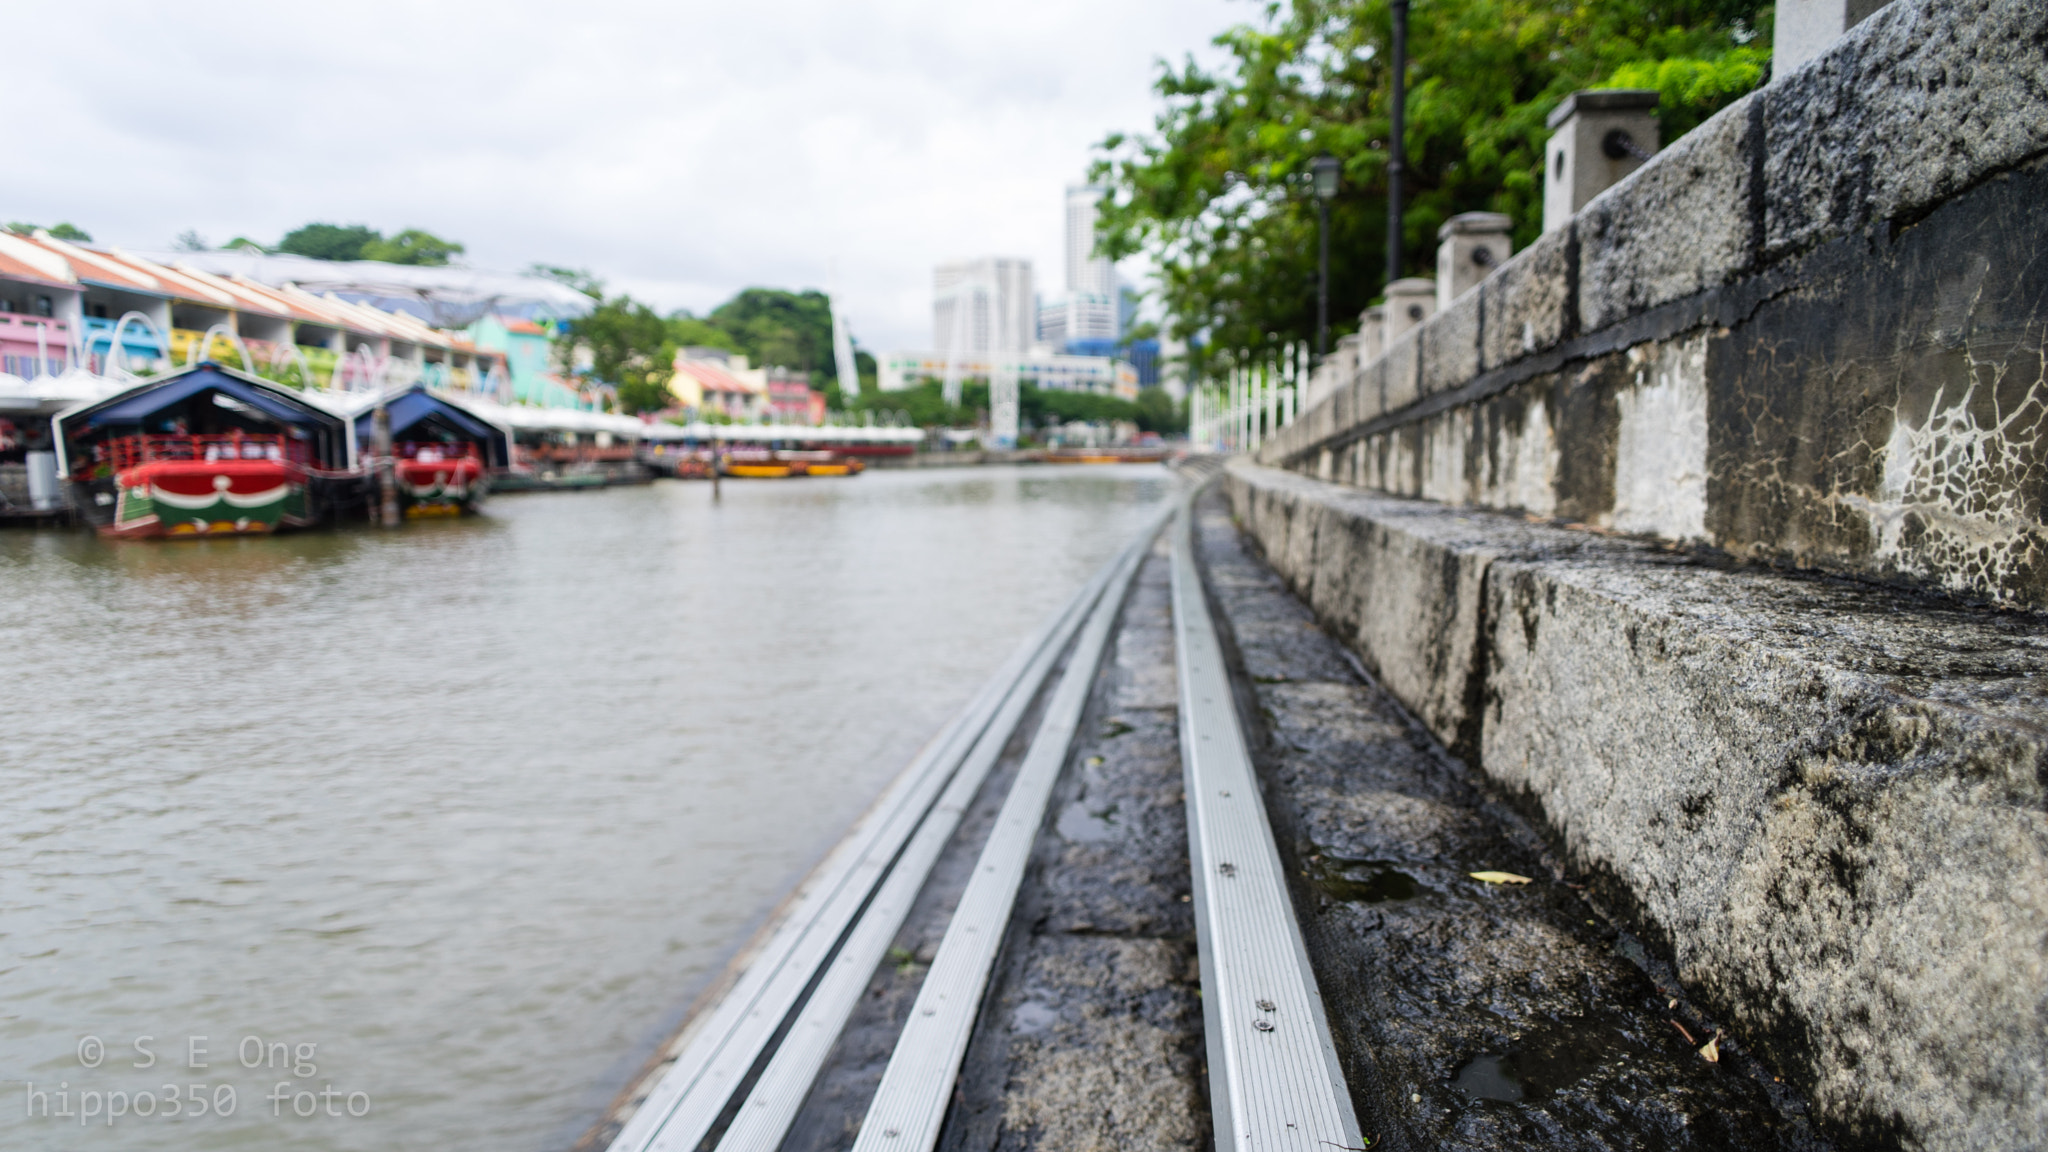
(713, 377)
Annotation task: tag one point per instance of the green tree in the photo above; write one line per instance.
(629, 348)
(1045, 405)
(787, 329)
(1218, 192)
(578, 278)
(687, 331)
(329, 241)
(412, 246)
(64, 231)
(1156, 412)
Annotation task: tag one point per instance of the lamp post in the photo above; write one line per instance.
(1326, 170)
(1397, 143)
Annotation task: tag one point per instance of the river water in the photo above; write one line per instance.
(453, 820)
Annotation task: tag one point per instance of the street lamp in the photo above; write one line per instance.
(1397, 138)
(1325, 169)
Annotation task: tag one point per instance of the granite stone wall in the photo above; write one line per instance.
(1825, 803)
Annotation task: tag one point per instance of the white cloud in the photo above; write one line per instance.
(682, 151)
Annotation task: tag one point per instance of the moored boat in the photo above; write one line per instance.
(821, 463)
(1141, 455)
(206, 451)
(763, 464)
(443, 455)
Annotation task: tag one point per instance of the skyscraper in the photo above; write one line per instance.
(1088, 311)
(985, 305)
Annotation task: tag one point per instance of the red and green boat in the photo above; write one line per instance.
(222, 485)
(442, 454)
(203, 452)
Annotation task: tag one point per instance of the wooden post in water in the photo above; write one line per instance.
(717, 466)
(387, 481)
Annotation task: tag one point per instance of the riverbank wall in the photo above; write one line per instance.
(1709, 529)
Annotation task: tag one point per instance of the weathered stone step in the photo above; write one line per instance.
(1822, 800)
(1472, 1015)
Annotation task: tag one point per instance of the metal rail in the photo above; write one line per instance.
(910, 1104)
(691, 1095)
(1274, 1078)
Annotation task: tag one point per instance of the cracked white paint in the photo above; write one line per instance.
(1962, 477)
(1660, 453)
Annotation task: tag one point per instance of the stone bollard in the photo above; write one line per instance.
(1346, 355)
(1410, 301)
(1470, 246)
(1806, 27)
(1598, 136)
(1372, 334)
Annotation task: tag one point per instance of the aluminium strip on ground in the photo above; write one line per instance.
(696, 1088)
(1274, 1078)
(910, 1103)
(782, 1085)
(764, 1119)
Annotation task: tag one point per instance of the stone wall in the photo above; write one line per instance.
(1810, 332)
(1825, 803)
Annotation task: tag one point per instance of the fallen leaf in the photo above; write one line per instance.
(1500, 877)
(1712, 1052)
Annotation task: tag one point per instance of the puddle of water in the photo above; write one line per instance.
(1361, 881)
(1543, 1063)
(1032, 1017)
(1082, 826)
(1489, 1078)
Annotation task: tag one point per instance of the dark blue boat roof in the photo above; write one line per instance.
(417, 404)
(137, 407)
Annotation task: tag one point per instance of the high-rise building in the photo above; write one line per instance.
(985, 305)
(1088, 312)
(1087, 273)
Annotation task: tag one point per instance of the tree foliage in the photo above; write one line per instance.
(362, 242)
(1217, 193)
(924, 405)
(629, 347)
(62, 231)
(632, 347)
(412, 246)
(786, 329)
(580, 279)
(328, 241)
(1156, 412)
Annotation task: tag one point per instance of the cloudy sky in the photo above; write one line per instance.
(680, 150)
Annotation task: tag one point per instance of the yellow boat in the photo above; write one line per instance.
(757, 471)
(828, 470)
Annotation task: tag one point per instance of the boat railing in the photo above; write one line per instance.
(434, 451)
(129, 451)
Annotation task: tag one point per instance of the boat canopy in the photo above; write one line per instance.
(208, 398)
(417, 414)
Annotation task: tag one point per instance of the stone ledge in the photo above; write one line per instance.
(1825, 799)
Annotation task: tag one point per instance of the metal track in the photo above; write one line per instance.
(1274, 1079)
(911, 1101)
(691, 1095)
